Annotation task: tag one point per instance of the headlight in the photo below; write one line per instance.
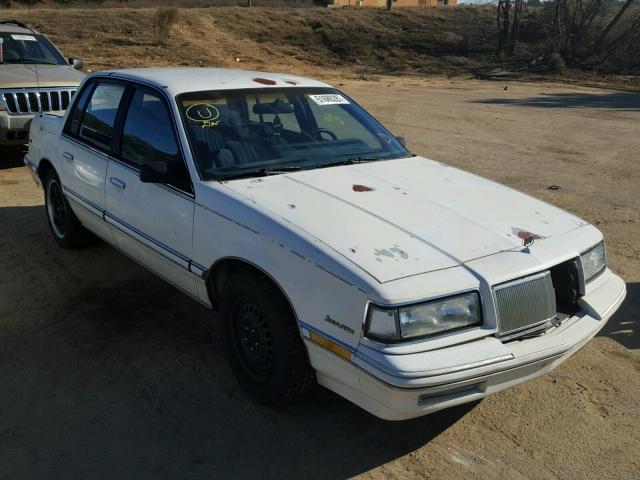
(593, 262)
(424, 319)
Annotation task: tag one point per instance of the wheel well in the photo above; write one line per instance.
(222, 270)
(43, 168)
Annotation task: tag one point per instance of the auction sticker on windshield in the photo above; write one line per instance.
(24, 38)
(329, 99)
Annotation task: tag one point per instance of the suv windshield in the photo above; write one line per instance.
(28, 48)
(236, 133)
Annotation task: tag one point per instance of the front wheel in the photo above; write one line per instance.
(262, 340)
(65, 226)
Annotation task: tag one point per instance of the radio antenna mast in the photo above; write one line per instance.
(35, 65)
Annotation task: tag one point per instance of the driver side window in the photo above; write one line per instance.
(148, 135)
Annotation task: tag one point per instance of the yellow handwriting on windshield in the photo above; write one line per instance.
(203, 113)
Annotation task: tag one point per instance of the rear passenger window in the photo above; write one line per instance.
(100, 115)
(148, 131)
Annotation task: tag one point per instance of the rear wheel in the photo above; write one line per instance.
(262, 340)
(65, 226)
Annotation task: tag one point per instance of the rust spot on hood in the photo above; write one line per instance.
(264, 81)
(362, 188)
(290, 82)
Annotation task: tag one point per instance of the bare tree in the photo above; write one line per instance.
(577, 22)
(614, 21)
(508, 16)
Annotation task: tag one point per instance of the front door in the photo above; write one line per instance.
(153, 223)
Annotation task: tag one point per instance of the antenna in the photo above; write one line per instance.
(35, 65)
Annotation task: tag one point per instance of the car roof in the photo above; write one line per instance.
(182, 80)
(13, 26)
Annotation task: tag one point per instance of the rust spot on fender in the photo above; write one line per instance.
(264, 81)
(362, 188)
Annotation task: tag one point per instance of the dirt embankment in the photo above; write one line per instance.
(356, 43)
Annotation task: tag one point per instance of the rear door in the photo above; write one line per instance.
(151, 222)
(84, 151)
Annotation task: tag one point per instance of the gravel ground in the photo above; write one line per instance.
(108, 372)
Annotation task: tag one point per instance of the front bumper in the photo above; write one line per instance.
(398, 387)
(14, 129)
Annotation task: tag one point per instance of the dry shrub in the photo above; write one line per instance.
(163, 21)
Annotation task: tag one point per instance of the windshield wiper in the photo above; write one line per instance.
(262, 172)
(347, 161)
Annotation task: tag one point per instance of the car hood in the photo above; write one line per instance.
(24, 76)
(404, 217)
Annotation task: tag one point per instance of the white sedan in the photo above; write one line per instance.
(330, 251)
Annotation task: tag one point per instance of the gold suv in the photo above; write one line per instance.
(34, 77)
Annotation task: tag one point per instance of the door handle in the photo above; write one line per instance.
(116, 182)
(67, 156)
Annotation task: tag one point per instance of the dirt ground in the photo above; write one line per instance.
(108, 372)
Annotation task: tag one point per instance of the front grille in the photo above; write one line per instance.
(18, 102)
(525, 302)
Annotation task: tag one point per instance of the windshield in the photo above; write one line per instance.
(28, 48)
(236, 133)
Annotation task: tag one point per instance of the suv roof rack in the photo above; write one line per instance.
(13, 22)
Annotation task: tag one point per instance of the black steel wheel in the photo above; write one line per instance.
(261, 339)
(63, 223)
(253, 340)
(56, 209)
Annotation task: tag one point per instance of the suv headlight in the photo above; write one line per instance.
(593, 262)
(424, 319)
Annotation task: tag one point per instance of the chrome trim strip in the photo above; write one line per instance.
(188, 265)
(132, 236)
(197, 269)
(143, 265)
(87, 202)
(150, 239)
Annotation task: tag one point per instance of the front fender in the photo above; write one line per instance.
(323, 299)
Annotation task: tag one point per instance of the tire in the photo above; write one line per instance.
(63, 223)
(262, 341)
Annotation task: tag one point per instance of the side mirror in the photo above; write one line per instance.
(401, 141)
(76, 63)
